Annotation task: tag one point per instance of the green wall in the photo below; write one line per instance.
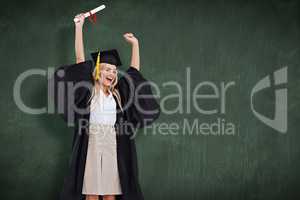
(219, 41)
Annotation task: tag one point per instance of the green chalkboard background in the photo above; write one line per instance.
(218, 40)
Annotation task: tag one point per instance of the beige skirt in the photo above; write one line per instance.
(101, 176)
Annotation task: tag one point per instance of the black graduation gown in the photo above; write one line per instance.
(126, 150)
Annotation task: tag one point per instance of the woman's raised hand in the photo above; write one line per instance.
(130, 38)
(80, 21)
(135, 52)
(79, 49)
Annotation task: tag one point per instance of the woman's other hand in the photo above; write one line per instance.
(130, 38)
(135, 52)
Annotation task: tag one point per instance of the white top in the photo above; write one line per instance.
(103, 109)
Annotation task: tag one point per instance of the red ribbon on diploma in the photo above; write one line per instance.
(92, 18)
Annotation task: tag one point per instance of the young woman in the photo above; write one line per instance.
(103, 162)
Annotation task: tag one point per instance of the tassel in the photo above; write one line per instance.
(98, 67)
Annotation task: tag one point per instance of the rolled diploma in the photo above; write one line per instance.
(87, 14)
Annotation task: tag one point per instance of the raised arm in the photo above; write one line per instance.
(79, 48)
(141, 105)
(135, 52)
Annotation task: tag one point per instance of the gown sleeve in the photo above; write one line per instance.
(64, 100)
(136, 93)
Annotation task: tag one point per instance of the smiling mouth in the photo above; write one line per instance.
(109, 79)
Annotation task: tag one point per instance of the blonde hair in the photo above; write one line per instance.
(113, 89)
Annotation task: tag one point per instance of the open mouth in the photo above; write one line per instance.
(109, 79)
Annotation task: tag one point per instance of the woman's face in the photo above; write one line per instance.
(108, 74)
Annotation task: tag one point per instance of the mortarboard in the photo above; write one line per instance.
(108, 56)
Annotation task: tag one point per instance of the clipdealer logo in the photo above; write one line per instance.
(279, 122)
(218, 94)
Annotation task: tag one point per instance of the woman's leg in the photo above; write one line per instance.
(108, 197)
(91, 197)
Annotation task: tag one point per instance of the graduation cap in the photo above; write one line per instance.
(108, 56)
